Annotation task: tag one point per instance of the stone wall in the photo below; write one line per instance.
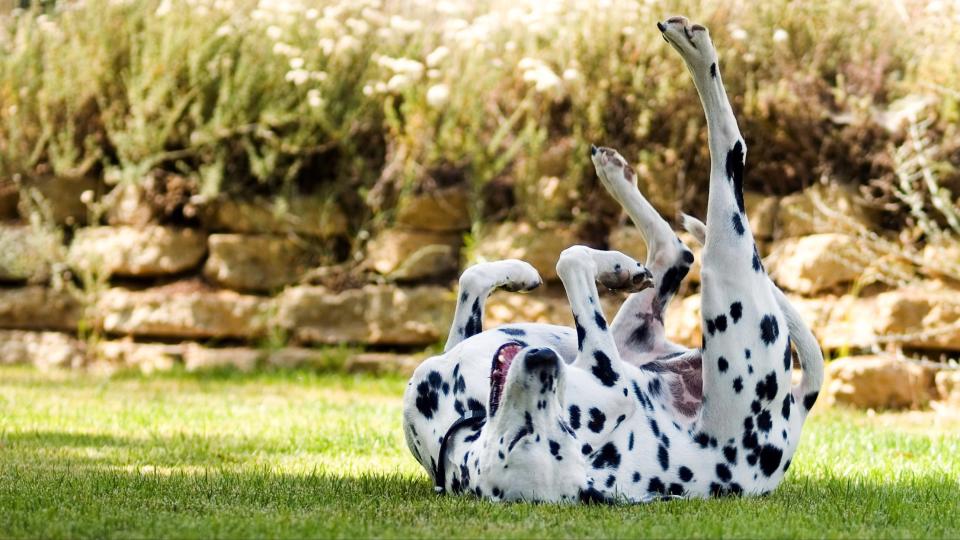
(246, 274)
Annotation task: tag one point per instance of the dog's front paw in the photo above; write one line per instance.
(620, 272)
(692, 41)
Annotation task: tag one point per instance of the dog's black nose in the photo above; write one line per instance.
(593, 150)
(541, 358)
(661, 26)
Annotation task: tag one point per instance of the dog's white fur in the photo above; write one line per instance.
(622, 413)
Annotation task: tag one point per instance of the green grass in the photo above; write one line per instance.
(308, 455)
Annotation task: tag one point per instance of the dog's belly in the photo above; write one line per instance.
(446, 387)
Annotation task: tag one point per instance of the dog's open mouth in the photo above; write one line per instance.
(498, 372)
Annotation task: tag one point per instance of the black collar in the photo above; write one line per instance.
(440, 471)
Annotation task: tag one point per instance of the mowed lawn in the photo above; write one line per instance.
(309, 455)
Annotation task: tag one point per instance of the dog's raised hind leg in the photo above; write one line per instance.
(476, 284)
(745, 339)
(638, 327)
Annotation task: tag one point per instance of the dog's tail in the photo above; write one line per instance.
(808, 349)
(695, 227)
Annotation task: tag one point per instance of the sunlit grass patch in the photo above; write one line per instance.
(308, 455)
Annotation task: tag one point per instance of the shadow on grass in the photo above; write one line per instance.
(77, 450)
(29, 378)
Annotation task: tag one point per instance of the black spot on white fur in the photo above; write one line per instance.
(601, 322)
(597, 420)
(574, 417)
(735, 172)
(738, 224)
(809, 400)
(736, 311)
(770, 457)
(607, 457)
(475, 322)
(603, 369)
(581, 334)
(769, 329)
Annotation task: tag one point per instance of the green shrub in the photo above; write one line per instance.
(366, 99)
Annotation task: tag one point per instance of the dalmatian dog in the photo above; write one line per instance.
(617, 412)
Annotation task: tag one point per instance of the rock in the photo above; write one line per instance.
(314, 216)
(878, 382)
(9, 199)
(920, 316)
(58, 198)
(147, 357)
(256, 262)
(383, 364)
(374, 314)
(128, 204)
(539, 245)
(942, 259)
(26, 253)
(683, 321)
(407, 254)
(815, 263)
(39, 308)
(295, 357)
(440, 210)
(41, 349)
(428, 261)
(948, 387)
(845, 322)
(627, 239)
(126, 251)
(798, 215)
(761, 213)
(191, 313)
(199, 358)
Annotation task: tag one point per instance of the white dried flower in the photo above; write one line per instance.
(296, 63)
(543, 78)
(438, 95)
(437, 56)
(570, 74)
(357, 26)
(738, 34)
(274, 32)
(780, 35)
(327, 45)
(347, 44)
(314, 99)
(398, 82)
(406, 26)
(165, 7)
(297, 76)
